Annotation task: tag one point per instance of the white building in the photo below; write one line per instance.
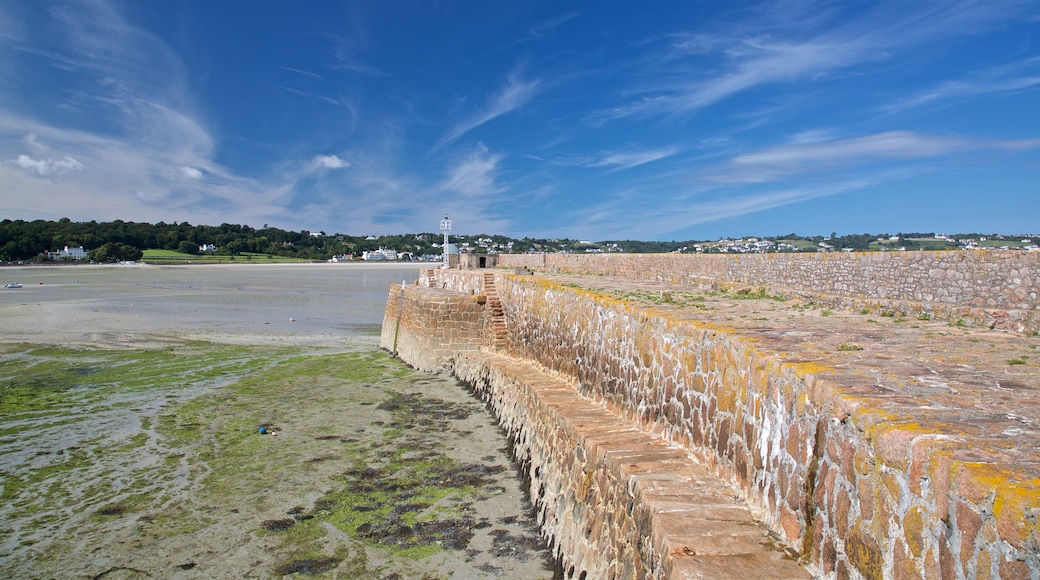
(381, 254)
(68, 254)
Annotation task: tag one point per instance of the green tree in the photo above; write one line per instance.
(116, 252)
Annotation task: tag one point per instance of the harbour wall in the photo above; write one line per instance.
(429, 326)
(855, 487)
(988, 289)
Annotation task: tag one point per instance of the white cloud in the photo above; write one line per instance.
(48, 167)
(329, 162)
(190, 172)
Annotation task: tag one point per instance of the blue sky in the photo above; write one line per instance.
(588, 120)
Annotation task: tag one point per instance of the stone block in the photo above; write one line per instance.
(1014, 569)
(969, 523)
(914, 531)
(865, 554)
(761, 566)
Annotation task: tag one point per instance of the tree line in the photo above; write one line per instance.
(119, 240)
(28, 240)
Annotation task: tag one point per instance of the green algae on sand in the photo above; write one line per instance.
(152, 460)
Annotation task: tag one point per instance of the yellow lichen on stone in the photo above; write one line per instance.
(913, 530)
(1015, 500)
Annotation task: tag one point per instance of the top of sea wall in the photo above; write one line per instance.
(994, 289)
(895, 447)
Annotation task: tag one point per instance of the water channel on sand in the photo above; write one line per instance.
(131, 399)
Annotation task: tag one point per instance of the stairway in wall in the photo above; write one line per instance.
(498, 316)
(431, 278)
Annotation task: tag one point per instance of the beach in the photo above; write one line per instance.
(130, 441)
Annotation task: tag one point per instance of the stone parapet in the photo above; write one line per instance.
(988, 289)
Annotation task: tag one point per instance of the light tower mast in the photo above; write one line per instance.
(446, 227)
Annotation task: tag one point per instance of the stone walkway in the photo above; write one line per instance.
(989, 380)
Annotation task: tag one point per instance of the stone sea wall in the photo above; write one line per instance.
(429, 326)
(859, 490)
(989, 289)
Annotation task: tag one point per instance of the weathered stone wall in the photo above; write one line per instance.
(863, 488)
(429, 326)
(613, 500)
(994, 289)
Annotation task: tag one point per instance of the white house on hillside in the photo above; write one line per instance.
(379, 255)
(68, 254)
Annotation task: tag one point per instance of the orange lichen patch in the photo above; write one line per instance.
(913, 530)
(863, 414)
(808, 367)
(893, 442)
(1016, 500)
(1017, 509)
(865, 554)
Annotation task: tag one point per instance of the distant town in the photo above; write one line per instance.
(42, 241)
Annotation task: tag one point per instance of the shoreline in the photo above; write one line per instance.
(236, 264)
(136, 452)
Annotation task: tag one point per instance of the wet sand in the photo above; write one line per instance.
(172, 480)
(300, 303)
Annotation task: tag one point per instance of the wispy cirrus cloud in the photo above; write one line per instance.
(121, 135)
(544, 27)
(699, 69)
(1008, 79)
(815, 164)
(776, 163)
(628, 160)
(322, 98)
(305, 73)
(631, 213)
(474, 175)
(826, 154)
(516, 93)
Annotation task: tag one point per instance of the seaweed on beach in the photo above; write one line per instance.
(278, 525)
(405, 495)
(309, 566)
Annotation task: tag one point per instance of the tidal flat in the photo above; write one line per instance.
(139, 453)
